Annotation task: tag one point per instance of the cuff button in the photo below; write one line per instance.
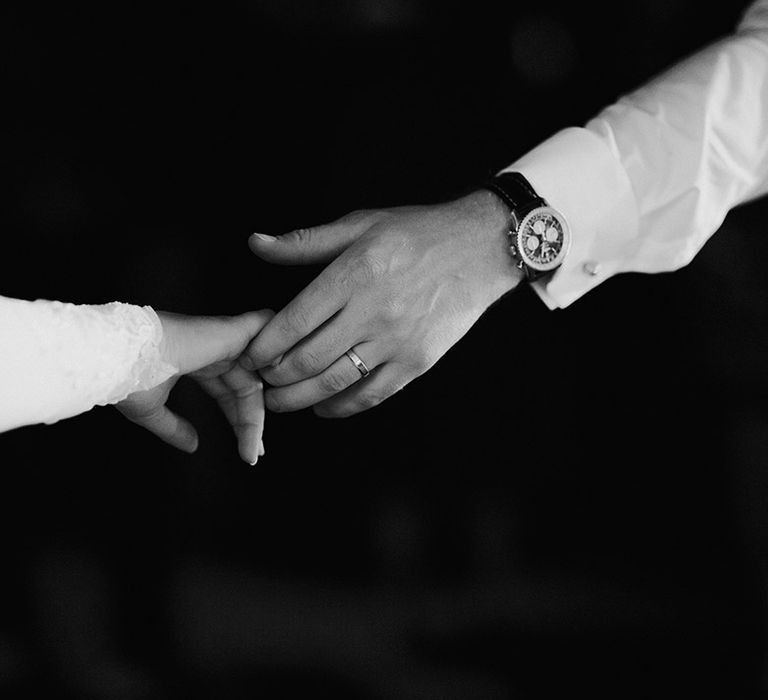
(591, 268)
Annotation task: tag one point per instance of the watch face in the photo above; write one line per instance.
(543, 238)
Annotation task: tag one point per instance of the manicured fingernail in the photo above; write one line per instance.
(264, 237)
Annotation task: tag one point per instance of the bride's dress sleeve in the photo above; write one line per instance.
(58, 360)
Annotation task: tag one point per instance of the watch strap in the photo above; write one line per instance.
(515, 191)
(518, 194)
(532, 275)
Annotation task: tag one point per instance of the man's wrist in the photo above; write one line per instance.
(491, 217)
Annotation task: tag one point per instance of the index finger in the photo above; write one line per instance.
(312, 307)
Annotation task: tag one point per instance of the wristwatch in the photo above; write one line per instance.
(539, 237)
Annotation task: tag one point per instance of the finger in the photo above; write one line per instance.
(251, 323)
(311, 245)
(197, 342)
(361, 396)
(216, 388)
(339, 376)
(245, 327)
(168, 426)
(317, 352)
(313, 306)
(226, 398)
(249, 401)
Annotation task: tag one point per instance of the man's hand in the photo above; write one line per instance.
(404, 285)
(206, 348)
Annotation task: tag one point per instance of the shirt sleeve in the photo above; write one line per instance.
(58, 360)
(651, 178)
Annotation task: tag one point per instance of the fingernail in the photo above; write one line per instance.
(264, 237)
(247, 363)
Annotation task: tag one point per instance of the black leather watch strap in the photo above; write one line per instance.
(518, 194)
(515, 191)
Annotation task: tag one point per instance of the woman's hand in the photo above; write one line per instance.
(206, 348)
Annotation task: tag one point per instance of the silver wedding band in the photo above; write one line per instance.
(357, 362)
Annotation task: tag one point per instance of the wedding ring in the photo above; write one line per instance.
(357, 362)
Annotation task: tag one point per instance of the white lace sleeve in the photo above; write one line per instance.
(58, 360)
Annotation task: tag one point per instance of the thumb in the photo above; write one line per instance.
(317, 244)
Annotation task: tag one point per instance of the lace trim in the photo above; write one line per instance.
(149, 369)
(102, 353)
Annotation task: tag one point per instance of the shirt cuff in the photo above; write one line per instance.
(578, 174)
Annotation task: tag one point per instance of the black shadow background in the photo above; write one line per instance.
(478, 536)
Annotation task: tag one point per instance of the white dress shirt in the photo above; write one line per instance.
(58, 360)
(651, 178)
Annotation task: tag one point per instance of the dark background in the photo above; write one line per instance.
(488, 532)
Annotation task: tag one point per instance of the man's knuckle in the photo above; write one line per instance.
(295, 319)
(342, 410)
(257, 354)
(326, 410)
(371, 267)
(269, 375)
(303, 236)
(332, 382)
(275, 402)
(422, 360)
(391, 310)
(370, 399)
(307, 362)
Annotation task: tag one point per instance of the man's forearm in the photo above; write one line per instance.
(652, 177)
